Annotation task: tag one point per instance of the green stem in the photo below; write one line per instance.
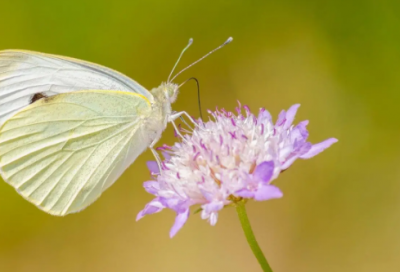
(244, 220)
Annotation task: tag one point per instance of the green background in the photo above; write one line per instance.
(339, 59)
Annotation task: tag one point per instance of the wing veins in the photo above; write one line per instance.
(34, 190)
(88, 178)
(56, 183)
(84, 121)
(104, 180)
(112, 135)
(80, 167)
(31, 79)
(18, 137)
(34, 162)
(42, 140)
(36, 173)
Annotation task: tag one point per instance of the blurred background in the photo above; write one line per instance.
(339, 59)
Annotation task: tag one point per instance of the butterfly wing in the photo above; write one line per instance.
(24, 74)
(62, 152)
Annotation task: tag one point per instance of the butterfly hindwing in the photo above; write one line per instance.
(62, 152)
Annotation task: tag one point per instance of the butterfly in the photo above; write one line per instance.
(69, 128)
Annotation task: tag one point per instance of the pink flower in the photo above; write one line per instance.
(232, 158)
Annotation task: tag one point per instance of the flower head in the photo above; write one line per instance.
(232, 158)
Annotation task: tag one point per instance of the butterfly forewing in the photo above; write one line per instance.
(24, 74)
(62, 152)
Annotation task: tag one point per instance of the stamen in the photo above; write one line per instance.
(163, 147)
(164, 166)
(247, 109)
(203, 145)
(195, 156)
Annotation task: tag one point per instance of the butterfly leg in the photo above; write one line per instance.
(155, 154)
(177, 130)
(179, 114)
(186, 123)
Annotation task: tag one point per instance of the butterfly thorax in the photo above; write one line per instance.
(161, 109)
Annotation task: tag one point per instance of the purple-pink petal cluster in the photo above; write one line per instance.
(227, 159)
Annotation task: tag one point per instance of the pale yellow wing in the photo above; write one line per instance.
(62, 152)
(24, 74)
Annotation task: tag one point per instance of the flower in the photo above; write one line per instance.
(229, 159)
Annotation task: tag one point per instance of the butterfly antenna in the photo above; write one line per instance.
(198, 93)
(209, 53)
(183, 51)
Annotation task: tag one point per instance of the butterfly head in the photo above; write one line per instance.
(170, 91)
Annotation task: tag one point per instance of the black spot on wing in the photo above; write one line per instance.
(37, 96)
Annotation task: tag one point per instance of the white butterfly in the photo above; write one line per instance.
(88, 125)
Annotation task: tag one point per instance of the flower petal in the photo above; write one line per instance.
(289, 162)
(213, 218)
(302, 127)
(267, 192)
(281, 118)
(213, 207)
(245, 193)
(180, 220)
(174, 203)
(318, 148)
(166, 155)
(153, 206)
(151, 187)
(264, 116)
(264, 170)
(153, 167)
(290, 114)
(207, 195)
(300, 150)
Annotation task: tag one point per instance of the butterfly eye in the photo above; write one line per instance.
(172, 92)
